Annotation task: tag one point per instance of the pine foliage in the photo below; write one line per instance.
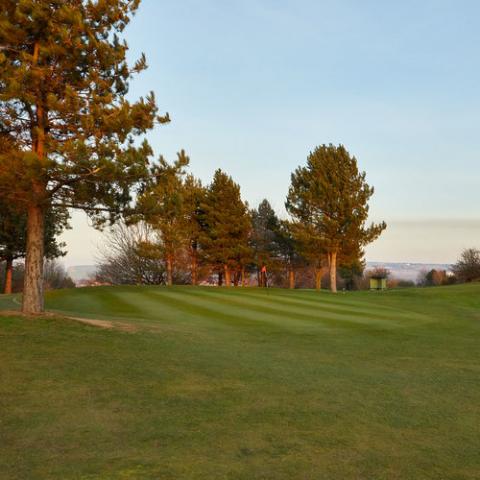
(226, 225)
(13, 225)
(328, 199)
(265, 233)
(63, 81)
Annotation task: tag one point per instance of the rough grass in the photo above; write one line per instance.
(243, 384)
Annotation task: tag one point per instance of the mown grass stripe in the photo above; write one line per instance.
(322, 300)
(278, 316)
(207, 310)
(297, 309)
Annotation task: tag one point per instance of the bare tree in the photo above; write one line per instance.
(122, 260)
(467, 268)
(55, 276)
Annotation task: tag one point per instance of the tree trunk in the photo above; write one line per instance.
(169, 270)
(243, 276)
(194, 266)
(318, 278)
(262, 280)
(333, 271)
(220, 279)
(227, 276)
(33, 283)
(32, 300)
(291, 278)
(8, 276)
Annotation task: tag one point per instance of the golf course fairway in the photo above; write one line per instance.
(215, 383)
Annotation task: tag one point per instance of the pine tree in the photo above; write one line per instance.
(226, 227)
(289, 251)
(328, 198)
(193, 197)
(63, 81)
(162, 206)
(264, 238)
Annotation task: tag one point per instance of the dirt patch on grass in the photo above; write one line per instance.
(106, 324)
(10, 313)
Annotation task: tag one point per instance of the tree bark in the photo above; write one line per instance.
(194, 266)
(8, 276)
(227, 276)
(333, 271)
(33, 302)
(169, 262)
(318, 278)
(291, 278)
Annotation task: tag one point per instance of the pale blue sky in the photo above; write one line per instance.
(253, 86)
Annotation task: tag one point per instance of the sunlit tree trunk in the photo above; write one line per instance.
(8, 275)
(33, 302)
(332, 260)
(291, 278)
(169, 263)
(227, 276)
(194, 265)
(33, 283)
(318, 278)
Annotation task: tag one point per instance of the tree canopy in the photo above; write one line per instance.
(162, 206)
(226, 226)
(63, 81)
(265, 236)
(328, 199)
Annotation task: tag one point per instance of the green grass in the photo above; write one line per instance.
(243, 384)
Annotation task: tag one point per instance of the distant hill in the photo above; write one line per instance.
(408, 271)
(81, 272)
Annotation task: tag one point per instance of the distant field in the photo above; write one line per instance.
(207, 383)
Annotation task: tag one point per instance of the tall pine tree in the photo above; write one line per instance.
(289, 251)
(193, 197)
(226, 227)
(162, 206)
(63, 81)
(265, 238)
(328, 198)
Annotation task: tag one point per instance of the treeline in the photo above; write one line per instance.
(181, 231)
(69, 139)
(55, 277)
(465, 270)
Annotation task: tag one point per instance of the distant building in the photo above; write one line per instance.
(378, 282)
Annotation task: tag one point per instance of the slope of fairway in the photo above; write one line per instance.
(243, 384)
